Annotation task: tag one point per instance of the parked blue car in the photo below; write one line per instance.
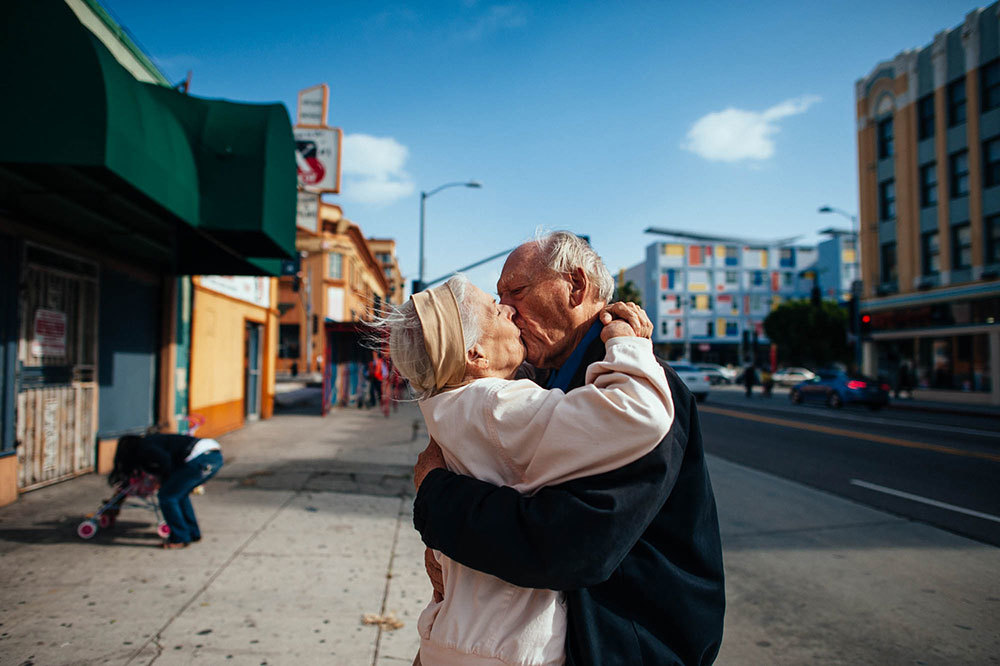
(838, 388)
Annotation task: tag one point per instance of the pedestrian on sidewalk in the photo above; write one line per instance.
(181, 463)
(749, 379)
(637, 549)
(461, 351)
(766, 382)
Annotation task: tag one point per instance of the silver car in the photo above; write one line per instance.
(793, 376)
(697, 381)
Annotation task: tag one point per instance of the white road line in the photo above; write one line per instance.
(924, 500)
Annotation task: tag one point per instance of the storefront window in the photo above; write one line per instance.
(957, 363)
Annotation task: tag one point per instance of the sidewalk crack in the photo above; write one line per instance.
(388, 579)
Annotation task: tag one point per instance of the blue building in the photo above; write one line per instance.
(708, 296)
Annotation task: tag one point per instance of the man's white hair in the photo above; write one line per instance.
(563, 252)
(406, 336)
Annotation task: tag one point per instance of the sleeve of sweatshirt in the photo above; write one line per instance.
(619, 415)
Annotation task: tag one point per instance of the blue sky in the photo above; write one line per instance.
(599, 117)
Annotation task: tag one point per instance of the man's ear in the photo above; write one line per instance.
(476, 359)
(579, 285)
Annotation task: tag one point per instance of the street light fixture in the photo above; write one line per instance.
(423, 198)
(856, 284)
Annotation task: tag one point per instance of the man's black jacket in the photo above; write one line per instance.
(637, 549)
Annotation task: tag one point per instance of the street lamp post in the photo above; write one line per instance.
(856, 285)
(419, 286)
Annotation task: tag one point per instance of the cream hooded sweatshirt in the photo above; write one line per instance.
(517, 434)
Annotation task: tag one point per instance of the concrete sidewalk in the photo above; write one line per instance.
(308, 529)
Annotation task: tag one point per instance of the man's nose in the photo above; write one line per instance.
(508, 310)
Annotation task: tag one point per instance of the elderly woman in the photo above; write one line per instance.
(460, 351)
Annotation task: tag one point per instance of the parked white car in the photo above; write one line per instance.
(697, 381)
(717, 374)
(792, 376)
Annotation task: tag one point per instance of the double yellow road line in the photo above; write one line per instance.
(843, 432)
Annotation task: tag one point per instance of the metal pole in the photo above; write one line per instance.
(423, 198)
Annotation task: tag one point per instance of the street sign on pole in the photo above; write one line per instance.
(307, 211)
(317, 158)
(314, 104)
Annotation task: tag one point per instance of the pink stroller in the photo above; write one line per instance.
(140, 487)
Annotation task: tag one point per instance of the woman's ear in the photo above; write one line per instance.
(476, 359)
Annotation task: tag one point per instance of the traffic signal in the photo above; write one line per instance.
(852, 316)
(866, 326)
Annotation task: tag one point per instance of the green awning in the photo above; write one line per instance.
(78, 132)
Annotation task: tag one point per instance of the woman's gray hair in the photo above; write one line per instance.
(401, 326)
(564, 251)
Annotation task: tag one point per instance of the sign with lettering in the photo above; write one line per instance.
(50, 333)
(307, 211)
(314, 103)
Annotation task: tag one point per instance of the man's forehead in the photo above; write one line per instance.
(522, 265)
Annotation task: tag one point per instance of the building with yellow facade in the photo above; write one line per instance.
(341, 284)
(929, 177)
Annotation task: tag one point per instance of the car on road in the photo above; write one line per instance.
(792, 376)
(838, 388)
(697, 381)
(717, 374)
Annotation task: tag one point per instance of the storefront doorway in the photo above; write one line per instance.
(253, 340)
(56, 420)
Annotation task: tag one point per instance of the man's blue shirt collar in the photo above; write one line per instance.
(562, 377)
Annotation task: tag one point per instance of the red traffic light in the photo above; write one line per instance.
(866, 319)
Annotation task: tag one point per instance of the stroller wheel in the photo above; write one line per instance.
(87, 529)
(106, 520)
(163, 530)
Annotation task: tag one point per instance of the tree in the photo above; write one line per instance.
(628, 293)
(807, 334)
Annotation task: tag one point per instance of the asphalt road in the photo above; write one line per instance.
(939, 469)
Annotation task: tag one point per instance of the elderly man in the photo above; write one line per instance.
(636, 549)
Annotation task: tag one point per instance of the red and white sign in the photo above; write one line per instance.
(317, 158)
(50, 333)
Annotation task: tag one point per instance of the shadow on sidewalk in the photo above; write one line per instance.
(326, 475)
(130, 533)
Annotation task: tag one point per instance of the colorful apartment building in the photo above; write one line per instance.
(929, 177)
(708, 296)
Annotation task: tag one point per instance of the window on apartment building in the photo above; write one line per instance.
(732, 277)
(888, 263)
(925, 117)
(757, 279)
(928, 184)
(956, 102)
(989, 78)
(885, 138)
(992, 227)
(961, 246)
(959, 174)
(991, 162)
(732, 329)
(787, 279)
(732, 255)
(930, 251)
(887, 199)
(336, 266)
(786, 257)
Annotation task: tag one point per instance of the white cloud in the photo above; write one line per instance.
(734, 135)
(497, 17)
(373, 169)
